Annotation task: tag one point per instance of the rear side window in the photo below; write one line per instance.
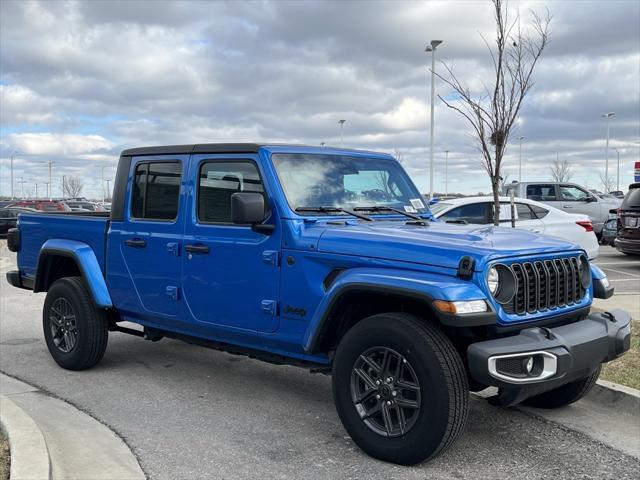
(156, 190)
(541, 193)
(539, 211)
(217, 182)
(476, 213)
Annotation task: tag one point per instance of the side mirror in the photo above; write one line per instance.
(247, 208)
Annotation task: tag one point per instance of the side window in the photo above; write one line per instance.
(569, 193)
(541, 193)
(217, 182)
(539, 211)
(473, 213)
(156, 190)
(524, 212)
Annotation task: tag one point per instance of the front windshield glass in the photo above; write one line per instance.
(341, 181)
(438, 207)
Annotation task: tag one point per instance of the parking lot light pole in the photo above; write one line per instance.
(446, 173)
(608, 116)
(520, 160)
(11, 168)
(341, 123)
(618, 170)
(22, 182)
(432, 48)
(50, 184)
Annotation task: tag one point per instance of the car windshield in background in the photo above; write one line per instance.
(440, 206)
(345, 182)
(632, 199)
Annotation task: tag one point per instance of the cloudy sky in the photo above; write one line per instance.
(81, 80)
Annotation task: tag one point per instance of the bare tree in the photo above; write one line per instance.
(607, 184)
(504, 181)
(72, 187)
(493, 112)
(561, 170)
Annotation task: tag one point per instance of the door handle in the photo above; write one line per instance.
(567, 206)
(135, 243)
(197, 249)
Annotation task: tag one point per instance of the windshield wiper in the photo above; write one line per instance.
(384, 208)
(334, 210)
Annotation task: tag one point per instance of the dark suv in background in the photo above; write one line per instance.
(628, 239)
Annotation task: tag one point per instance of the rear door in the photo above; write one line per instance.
(151, 233)
(230, 273)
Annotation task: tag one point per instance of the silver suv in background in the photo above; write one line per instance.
(568, 197)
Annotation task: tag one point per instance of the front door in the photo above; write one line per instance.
(151, 233)
(229, 272)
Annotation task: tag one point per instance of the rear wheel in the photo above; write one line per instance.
(566, 394)
(400, 388)
(74, 329)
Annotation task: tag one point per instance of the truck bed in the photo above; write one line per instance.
(36, 228)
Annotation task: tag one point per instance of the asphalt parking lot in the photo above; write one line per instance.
(622, 270)
(190, 413)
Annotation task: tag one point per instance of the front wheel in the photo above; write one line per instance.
(400, 388)
(75, 330)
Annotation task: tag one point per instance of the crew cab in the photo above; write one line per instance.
(326, 259)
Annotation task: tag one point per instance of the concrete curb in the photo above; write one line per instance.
(615, 395)
(29, 454)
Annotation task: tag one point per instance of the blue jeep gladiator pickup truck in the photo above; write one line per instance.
(326, 259)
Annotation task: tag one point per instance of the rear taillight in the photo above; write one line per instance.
(586, 224)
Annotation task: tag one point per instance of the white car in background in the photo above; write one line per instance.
(529, 215)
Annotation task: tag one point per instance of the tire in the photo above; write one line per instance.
(566, 394)
(429, 375)
(74, 329)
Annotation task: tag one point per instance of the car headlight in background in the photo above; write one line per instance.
(493, 280)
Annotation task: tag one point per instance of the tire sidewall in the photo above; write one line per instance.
(433, 417)
(65, 288)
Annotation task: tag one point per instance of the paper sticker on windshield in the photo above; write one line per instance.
(416, 203)
(409, 209)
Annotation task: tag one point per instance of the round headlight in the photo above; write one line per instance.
(493, 280)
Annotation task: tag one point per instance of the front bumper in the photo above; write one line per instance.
(563, 353)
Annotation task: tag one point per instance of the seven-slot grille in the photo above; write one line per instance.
(545, 285)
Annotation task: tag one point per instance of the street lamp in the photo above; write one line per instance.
(108, 189)
(520, 161)
(618, 170)
(12, 153)
(608, 116)
(341, 122)
(446, 177)
(102, 184)
(432, 48)
(49, 192)
(22, 182)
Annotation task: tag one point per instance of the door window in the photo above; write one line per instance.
(217, 182)
(572, 194)
(156, 190)
(541, 193)
(476, 213)
(523, 212)
(539, 211)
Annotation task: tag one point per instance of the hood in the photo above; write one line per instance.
(439, 244)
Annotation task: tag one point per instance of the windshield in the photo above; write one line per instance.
(438, 207)
(340, 181)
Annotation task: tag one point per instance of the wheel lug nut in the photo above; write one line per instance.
(377, 382)
(390, 379)
(388, 402)
(377, 397)
(394, 393)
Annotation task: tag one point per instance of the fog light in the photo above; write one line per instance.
(527, 365)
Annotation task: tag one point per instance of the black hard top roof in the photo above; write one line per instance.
(194, 148)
